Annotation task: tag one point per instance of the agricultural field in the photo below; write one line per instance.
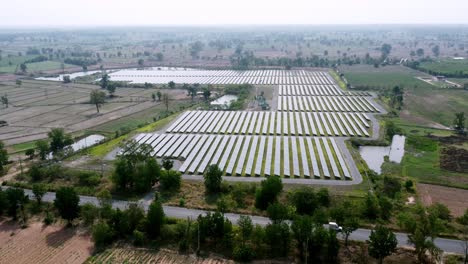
(142, 255)
(446, 66)
(37, 106)
(43, 244)
(424, 104)
(455, 199)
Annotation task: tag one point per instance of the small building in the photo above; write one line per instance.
(439, 78)
(223, 102)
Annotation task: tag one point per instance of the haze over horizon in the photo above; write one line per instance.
(241, 12)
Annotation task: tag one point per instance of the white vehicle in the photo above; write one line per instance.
(334, 226)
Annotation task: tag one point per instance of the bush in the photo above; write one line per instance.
(102, 234)
(268, 193)
(89, 213)
(244, 253)
(170, 180)
(138, 238)
(213, 178)
(89, 178)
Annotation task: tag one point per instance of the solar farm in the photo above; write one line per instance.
(301, 138)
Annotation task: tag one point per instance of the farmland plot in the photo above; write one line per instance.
(35, 107)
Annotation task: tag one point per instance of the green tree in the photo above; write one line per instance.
(213, 178)
(371, 206)
(111, 89)
(58, 139)
(66, 79)
(4, 100)
(349, 225)
(30, 153)
(141, 63)
(436, 50)
(206, 94)
(385, 49)
(245, 227)
(16, 199)
(420, 52)
(382, 243)
(459, 122)
(305, 201)
(67, 203)
(43, 148)
(89, 212)
(159, 94)
(167, 163)
(3, 156)
(97, 98)
(278, 239)
(171, 84)
(104, 82)
(270, 188)
(155, 219)
(39, 190)
(166, 99)
(102, 234)
(277, 212)
(23, 67)
(170, 180)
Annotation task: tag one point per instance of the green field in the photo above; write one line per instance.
(34, 67)
(446, 66)
(424, 104)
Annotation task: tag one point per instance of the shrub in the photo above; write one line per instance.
(89, 213)
(268, 193)
(138, 238)
(244, 253)
(170, 180)
(213, 178)
(102, 234)
(89, 178)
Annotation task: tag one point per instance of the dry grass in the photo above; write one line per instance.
(455, 199)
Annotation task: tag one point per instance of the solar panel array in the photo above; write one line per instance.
(272, 123)
(295, 141)
(223, 77)
(288, 156)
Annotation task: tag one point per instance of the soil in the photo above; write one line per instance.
(43, 244)
(455, 199)
(454, 159)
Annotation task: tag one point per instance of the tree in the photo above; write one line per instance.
(206, 94)
(167, 163)
(159, 56)
(459, 122)
(58, 139)
(67, 203)
(3, 156)
(420, 52)
(66, 79)
(349, 225)
(166, 100)
(16, 199)
(192, 91)
(4, 100)
(153, 96)
(382, 242)
(159, 94)
(111, 89)
(213, 178)
(277, 212)
(371, 206)
(268, 192)
(23, 67)
(97, 98)
(170, 180)
(102, 234)
(278, 239)
(141, 63)
(171, 84)
(19, 82)
(104, 81)
(43, 148)
(305, 201)
(30, 153)
(385, 49)
(39, 190)
(436, 50)
(155, 219)
(245, 228)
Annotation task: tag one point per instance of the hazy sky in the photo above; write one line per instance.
(183, 12)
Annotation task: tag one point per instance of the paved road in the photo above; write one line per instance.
(448, 245)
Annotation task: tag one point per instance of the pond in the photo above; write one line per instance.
(374, 155)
